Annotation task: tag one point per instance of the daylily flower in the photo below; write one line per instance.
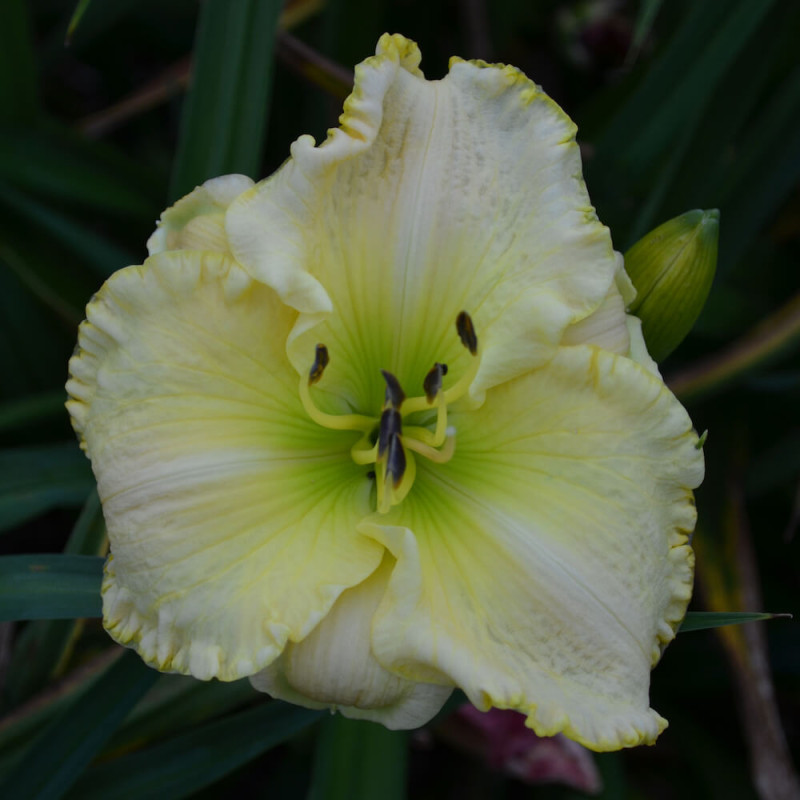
(297, 488)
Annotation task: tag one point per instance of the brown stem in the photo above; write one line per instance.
(779, 331)
(770, 761)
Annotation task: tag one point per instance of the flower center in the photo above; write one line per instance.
(386, 440)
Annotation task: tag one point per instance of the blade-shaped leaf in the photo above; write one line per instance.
(702, 620)
(179, 703)
(648, 9)
(75, 19)
(98, 253)
(56, 164)
(43, 647)
(62, 752)
(683, 80)
(357, 760)
(19, 99)
(225, 115)
(33, 348)
(31, 410)
(50, 586)
(182, 765)
(35, 479)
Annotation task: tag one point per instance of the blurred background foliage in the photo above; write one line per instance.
(680, 104)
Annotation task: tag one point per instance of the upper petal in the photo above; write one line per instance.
(544, 567)
(231, 515)
(432, 197)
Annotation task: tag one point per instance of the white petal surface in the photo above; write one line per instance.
(431, 198)
(333, 667)
(231, 515)
(197, 221)
(544, 566)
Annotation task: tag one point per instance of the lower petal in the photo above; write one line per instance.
(334, 666)
(545, 566)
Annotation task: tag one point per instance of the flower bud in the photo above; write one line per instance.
(672, 268)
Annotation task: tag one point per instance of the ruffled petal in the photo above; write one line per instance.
(431, 198)
(333, 667)
(231, 515)
(546, 565)
(197, 221)
(611, 327)
(606, 326)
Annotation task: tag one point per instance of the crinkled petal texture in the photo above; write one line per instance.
(232, 516)
(544, 566)
(334, 666)
(432, 197)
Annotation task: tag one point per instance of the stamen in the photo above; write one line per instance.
(337, 422)
(321, 360)
(437, 456)
(364, 451)
(466, 332)
(396, 461)
(394, 392)
(391, 427)
(390, 491)
(433, 381)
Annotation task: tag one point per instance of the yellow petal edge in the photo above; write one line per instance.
(431, 197)
(547, 564)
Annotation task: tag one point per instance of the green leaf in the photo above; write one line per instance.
(357, 760)
(50, 586)
(88, 537)
(683, 80)
(179, 703)
(75, 737)
(19, 728)
(36, 479)
(648, 9)
(702, 620)
(43, 273)
(224, 119)
(19, 97)
(33, 347)
(98, 253)
(95, 20)
(44, 645)
(181, 766)
(54, 163)
(31, 410)
(75, 19)
(766, 171)
(776, 467)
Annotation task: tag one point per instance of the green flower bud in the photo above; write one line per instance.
(672, 268)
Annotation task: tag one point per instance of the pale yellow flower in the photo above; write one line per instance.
(516, 526)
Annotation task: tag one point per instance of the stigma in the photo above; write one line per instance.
(387, 439)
